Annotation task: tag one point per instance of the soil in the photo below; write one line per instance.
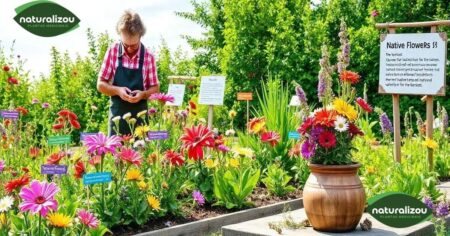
(444, 179)
(259, 197)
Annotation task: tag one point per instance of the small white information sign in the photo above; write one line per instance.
(212, 90)
(177, 91)
(295, 102)
(413, 64)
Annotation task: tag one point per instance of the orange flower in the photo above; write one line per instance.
(257, 125)
(23, 111)
(34, 152)
(17, 183)
(325, 117)
(349, 76)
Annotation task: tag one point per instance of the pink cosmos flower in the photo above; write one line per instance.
(130, 156)
(100, 144)
(39, 197)
(88, 219)
(162, 98)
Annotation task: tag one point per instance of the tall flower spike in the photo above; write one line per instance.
(344, 54)
(324, 91)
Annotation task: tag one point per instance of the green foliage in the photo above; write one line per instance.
(233, 186)
(277, 181)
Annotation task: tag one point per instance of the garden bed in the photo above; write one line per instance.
(211, 218)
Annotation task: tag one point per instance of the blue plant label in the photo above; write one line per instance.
(85, 135)
(157, 135)
(294, 135)
(53, 169)
(96, 178)
(13, 115)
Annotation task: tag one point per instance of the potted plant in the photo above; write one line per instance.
(333, 197)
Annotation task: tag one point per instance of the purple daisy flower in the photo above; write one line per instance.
(308, 149)
(198, 197)
(442, 209)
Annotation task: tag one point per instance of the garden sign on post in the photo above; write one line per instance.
(212, 90)
(246, 96)
(413, 64)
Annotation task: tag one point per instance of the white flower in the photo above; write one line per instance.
(230, 132)
(6, 203)
(437, 123)
(139, 144)
(341, 124)
(94, 108)
(127, 116)
(141, 114)
(116, 119)
(132, 121)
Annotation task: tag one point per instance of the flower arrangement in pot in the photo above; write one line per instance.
(333, 196)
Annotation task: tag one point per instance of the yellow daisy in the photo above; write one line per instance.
(429, 143)
(209, 163)
(2, 219)
(370, 170)
(345, 109)
(141, 131)
(234, 163)
(153, 202)
(142, 185)
(59, 220)
(134, 174)
(232, 114)
(243, 152)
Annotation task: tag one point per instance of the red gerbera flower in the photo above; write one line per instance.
(13, 80)
(5, 68)
(175, 158)
(192, 105)
(54, 158)
(327, 139)
(349, 76)
(16, 184)
(270, 137)
(128, 155)
(34, 152)
(325, 117)
(75, 124)
(23, 111)
(364, 105)
(354, 130)
(306, 125)
(63, 113)
(79, 170)
(72, 116)
(195, 138)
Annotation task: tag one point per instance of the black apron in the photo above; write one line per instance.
(134, 80)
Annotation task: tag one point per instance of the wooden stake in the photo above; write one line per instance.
(430, 121)
(210, 116)
(248, 113)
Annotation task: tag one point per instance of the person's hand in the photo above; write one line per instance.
(123, 92)
(137, 95)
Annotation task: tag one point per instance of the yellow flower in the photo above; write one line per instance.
(135, 175)
(59, 220)
(153, 202)
(77, 156)
(257, 125)
(2, 219)
(141, 113)
(142, 185)
(370, 170)
(141, 131)
(234, 162)
(232, 114)
(345, 109)
(429, 143)
(243, 152)
(209, 163)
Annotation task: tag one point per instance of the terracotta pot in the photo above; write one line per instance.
(334, 197)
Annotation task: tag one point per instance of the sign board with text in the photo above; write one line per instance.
(413, 64)
(177, 91)
(212, 90)
(245, 96)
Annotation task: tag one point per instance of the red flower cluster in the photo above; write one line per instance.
(64, 117)
(13, 80)
(17, 184)
(349, 76)
(325, 117)
(364, 105)
(79, 170)
(175, 158)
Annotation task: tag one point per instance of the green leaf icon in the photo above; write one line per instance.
(46, 18)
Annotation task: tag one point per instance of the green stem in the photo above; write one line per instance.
(39, 226)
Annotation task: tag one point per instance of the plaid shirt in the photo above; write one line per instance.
(111, 62)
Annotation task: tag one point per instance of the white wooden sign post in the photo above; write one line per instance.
(212, 91)
(413, 64)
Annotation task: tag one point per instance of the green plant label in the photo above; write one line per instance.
(55, 140)
(45, 18)
(398, 210)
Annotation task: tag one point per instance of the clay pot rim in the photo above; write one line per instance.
(319, 168)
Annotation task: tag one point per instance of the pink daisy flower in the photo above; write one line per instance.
(88, 219)
(100, 144)
(39, 197)
(130, 156)
(162, 98)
